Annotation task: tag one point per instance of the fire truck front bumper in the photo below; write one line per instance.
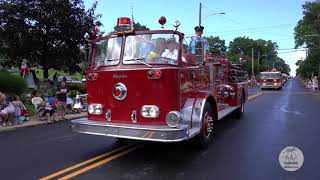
(131, 131)
(271, 86)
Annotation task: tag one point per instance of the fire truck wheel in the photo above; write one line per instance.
(240, 110)
(204, 139)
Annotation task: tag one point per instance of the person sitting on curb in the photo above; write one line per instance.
(45, 109)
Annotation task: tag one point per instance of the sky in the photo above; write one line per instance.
(257, 19)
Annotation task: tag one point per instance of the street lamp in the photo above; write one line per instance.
(221, 13)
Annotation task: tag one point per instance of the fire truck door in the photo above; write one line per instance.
(221, 86)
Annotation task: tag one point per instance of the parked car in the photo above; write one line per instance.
(69, 79)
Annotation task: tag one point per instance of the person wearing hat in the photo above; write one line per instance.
(172, 49)
(198, 38)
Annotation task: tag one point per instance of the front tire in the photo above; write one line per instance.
(204, 139)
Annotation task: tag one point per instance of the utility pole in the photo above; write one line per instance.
(200, 7)
(273, 66)
(252, 63)
(258, 61)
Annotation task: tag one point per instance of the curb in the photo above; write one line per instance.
(38, 123)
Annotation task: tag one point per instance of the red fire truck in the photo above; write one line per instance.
(271, 80)
(147, 85)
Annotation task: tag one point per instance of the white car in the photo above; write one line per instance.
(70, 79)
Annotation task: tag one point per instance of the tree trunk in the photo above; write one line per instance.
(45, 67)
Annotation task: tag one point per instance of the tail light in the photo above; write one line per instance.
(154, 74)
(276, 80)
(264, 80)
(119, 91)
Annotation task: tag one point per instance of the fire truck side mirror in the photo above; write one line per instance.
(199, 52)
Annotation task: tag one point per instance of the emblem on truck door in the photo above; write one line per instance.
(120, 76)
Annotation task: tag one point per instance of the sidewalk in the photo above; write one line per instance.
(35, 121)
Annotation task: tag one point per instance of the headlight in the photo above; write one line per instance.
(95, 109)
(173, 118)
(149, 111)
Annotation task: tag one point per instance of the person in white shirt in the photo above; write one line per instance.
(172, 51)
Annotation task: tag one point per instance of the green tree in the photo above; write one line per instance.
(216, 44)
(46, 33)
(307, 34)
(265, 51)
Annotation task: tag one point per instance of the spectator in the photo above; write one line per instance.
(315, 83)
(24, 70)
(3, 110)
(46, 109)
(18, 106)
(55, 78)
(62, 99)
(10, 111)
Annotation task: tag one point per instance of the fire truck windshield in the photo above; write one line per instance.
(151, 49)
(270, 75)
(107, 52)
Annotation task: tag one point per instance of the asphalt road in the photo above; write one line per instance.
(246, 148)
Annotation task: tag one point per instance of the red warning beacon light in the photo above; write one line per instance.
(162, 21)
(124, 23)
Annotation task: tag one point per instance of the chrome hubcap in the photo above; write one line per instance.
(208, 124)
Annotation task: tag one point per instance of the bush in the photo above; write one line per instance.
(77, 87)
(73, 93)
(12, 84)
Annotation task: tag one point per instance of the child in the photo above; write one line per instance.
(18, 106)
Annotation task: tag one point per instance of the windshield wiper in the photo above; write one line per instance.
(171, 60)
(139, 60)
(104, 61)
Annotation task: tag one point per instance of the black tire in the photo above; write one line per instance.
(280, 88)
(238, 113)
(204, 139)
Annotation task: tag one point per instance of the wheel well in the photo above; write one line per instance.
(213, 104)
(243, 95)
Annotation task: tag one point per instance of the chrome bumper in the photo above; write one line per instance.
(271, 86)
(131, 131)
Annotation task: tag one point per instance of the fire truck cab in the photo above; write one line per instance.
(147, 85)
(271, 80)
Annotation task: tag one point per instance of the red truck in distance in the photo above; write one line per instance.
(147, 85)
(271, 80)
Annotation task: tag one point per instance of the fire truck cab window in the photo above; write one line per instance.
(107, 51)
(151, 49)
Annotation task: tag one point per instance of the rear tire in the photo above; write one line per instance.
(204, 139)
(238, 113)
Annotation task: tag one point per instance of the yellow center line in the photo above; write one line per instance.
(86, 162)
(100, 163)
(254, 96)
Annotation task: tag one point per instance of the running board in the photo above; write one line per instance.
(223, 113)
